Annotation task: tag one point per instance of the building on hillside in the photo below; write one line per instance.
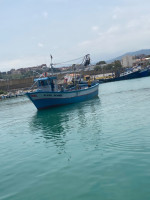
(89, 68)
(127, 61)
(141, 62)
(12, 71)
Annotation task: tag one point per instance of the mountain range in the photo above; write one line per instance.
(134, 53)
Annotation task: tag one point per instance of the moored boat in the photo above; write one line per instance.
(128, 75)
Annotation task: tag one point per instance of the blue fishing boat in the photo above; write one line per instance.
(129, 75)
(50, 94)
(144, 72)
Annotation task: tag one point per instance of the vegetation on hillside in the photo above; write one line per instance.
(102, 67)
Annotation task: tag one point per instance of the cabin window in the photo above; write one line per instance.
(42, 83)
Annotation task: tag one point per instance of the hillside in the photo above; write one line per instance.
(139, 52)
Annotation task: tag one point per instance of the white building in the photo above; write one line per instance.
(127, 61)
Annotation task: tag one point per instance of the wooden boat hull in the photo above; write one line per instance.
(43, 100)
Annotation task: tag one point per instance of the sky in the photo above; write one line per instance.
(31, 30)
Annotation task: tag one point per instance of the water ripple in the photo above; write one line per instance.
(104, 142)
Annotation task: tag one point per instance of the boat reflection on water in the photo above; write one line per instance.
(54, 124)
(49, 124)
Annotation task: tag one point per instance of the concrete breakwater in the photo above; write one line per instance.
(7, 85)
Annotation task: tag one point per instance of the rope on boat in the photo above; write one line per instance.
(85, 62)
(35, 82)
(68, 61)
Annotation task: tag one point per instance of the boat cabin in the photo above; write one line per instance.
(87, 77)
(48, 84)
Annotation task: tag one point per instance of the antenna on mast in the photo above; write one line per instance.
(51, 63)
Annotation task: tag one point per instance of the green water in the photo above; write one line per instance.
(98, 149)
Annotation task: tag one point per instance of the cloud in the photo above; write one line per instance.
(118, 38)
(95, 28)
(114, 16)
(113, 29)
(84, 43)
(40, 45)
(45, 14)
(106, 30)
(117, 13)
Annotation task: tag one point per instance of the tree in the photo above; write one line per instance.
(117, 68)
(117, 64)
(109, 67)
(97, 68)
(101, 62)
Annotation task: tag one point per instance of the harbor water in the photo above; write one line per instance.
(97, 149)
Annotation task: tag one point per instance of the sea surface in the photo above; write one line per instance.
(97, 149)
